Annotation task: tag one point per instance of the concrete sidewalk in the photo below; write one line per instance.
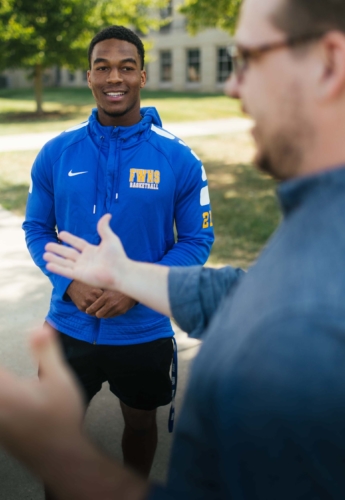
(28, 142)
(24, 300)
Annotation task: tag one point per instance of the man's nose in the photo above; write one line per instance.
(114, 76)
(231, 87)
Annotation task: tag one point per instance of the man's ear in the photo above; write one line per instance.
(88, 73)
(331, 78)
(143, 79)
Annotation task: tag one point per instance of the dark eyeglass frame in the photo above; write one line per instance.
(241, 56)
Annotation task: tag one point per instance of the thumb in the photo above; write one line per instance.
(103, 227)
(47, 352)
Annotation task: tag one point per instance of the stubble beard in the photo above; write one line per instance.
(283, 150)
(283, 158)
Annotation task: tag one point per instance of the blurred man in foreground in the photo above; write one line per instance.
(264, 412)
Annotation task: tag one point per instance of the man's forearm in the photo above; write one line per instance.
(146, 283)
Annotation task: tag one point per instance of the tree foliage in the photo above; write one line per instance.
(39, 34)
(211, 13)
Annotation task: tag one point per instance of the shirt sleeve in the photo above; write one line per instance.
(40, 221)
(192, 213)
(196, 293)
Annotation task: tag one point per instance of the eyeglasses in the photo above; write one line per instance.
(241, 56)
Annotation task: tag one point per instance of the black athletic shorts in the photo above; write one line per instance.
(139, 374)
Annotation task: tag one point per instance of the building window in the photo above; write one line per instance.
(193, 65)
(166, 66)
(71, 76)
(223, 65)
(166, 14)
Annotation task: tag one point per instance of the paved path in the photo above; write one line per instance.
(27, 142)
(24, 299)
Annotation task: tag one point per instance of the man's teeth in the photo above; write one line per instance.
(115, 94)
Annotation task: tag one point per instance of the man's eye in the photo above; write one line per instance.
(127, 68)
(101, 68)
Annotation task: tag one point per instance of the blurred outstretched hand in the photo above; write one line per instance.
(39, 416)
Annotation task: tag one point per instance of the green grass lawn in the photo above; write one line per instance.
(244, 205)
(245, 211)
(15, 179)
(66, 107)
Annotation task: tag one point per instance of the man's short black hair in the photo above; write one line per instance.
(119, 33)
(300, 17)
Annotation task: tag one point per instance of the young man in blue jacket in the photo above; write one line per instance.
(123, 162)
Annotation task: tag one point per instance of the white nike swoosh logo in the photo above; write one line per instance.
(72, 174)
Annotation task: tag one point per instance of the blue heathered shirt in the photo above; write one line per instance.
(264, 413)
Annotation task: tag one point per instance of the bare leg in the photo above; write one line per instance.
(139, 440)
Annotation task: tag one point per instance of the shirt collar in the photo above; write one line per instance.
(294, 192)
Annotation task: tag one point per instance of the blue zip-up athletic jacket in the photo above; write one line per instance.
(147, 179)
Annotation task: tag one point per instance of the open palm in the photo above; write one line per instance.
(98, 266)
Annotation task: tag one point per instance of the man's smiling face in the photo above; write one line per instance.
(115, 79)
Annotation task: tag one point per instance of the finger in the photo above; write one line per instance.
(72, 240)
(103, 227)
(53, 367)
(98, 292)
(60, 261)
(67, 272)
(107, 312)
(96, 306)
(62, 250)
(113, 295)
(47, 352)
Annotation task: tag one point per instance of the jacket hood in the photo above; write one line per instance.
(152, 115)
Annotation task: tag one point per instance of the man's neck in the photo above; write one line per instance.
(126, 120)
(326, 150)
(323, 159)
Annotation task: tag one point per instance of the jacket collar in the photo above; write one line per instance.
(135, 132)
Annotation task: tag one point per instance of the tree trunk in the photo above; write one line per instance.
(38, 85)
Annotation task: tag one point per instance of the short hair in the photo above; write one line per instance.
(300, 17)
(119, 33)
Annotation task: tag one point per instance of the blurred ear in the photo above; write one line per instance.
(88, 75)
(143, 78)
(331, 70)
